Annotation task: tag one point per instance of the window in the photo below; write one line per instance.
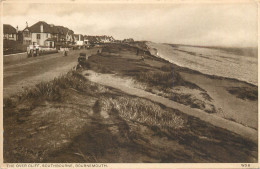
(38, 36)
(11, 35)
(26, 34)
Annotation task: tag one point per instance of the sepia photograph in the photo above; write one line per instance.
(129, 82)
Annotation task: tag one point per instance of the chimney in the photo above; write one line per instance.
(41, 28)
(17, 29)
(26, 24)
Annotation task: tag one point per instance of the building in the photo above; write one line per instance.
(26, 36)
(106, 39)
(38, 34)
(79, 39)
(98, 39)
(41, 34)
(62, 34)
(55, 32)
(10, 33)
(20, 36)
(48, 35)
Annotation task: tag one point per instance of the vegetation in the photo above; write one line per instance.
(160, 78)
(165, 77)
(250, 93)
(143, 111)
(51, 91)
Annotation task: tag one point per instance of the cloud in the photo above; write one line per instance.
(196, 24)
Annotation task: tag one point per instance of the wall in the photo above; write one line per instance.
(27, 40)
(41, 41)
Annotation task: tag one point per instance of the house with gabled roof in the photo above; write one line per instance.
(49, 35)
(10, 33)
(40, 33)
(106, 39)
(98, 39)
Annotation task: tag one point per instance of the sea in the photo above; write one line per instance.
(225, 62)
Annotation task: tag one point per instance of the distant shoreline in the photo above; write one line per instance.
(199, 72)
(251, 51)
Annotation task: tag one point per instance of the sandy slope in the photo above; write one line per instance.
(228, 106)
(126, 86)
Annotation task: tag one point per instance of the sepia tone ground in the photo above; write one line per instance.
(72, 119)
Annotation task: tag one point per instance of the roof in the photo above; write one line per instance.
(8, 29)
(36, 28)
(49, 28)
(55, 29)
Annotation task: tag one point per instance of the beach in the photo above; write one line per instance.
(223, 74)
(212, 61)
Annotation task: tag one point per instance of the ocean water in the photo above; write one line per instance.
(209, 61)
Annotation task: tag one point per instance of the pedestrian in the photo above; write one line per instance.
(142, 58)
(137, 52)
(65, 51)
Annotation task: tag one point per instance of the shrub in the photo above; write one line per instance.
(250, 93)
(142, 111)
(163, 79)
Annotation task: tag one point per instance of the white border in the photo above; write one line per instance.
(120, 165)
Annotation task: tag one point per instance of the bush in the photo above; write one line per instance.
(162, 79)
(142, 111)
(250, 93)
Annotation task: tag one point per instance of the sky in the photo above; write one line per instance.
(194, 24)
